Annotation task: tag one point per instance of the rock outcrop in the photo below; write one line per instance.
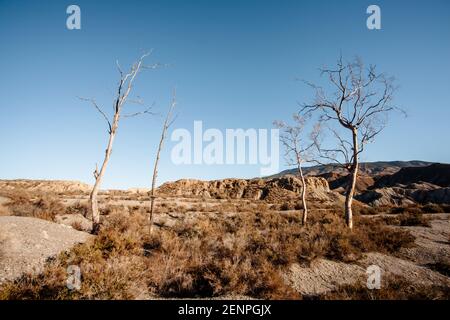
(437, 174)
(254, 189)
(403, 195)
(53, 186)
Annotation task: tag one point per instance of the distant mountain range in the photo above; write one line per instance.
(389, 182)
(366, 168)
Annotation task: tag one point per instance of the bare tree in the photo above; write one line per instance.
(123, 90)
(167, 123)
(298, 150)
(357, 104)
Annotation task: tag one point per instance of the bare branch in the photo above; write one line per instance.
(94, 103)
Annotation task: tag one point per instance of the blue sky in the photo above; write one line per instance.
(234, 64)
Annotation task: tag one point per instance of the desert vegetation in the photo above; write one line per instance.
(227, 254)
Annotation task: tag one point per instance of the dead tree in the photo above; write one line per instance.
(355, 110)
(123, 90)
(298, 150)
(167, 123)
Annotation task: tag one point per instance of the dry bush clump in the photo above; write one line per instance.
(365, 210)
(408, 219)
(436, 208)
(443, 267)
(392, 288)
(77, 226)
(78, 208)
(42, 206)
(414, 209)
(113, 209)
(418, 208)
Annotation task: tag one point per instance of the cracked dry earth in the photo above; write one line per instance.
(431, 246)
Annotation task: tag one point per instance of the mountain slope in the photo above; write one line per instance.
(368, 168)
(437, 174)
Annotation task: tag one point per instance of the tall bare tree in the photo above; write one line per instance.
(298, 150)
(123, 90)
(355, 110)
(167, 123)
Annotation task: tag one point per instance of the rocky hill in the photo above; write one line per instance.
(409, 185)
(394, 183)
(254, 189)
(47, 186)
(404, 195)
(437, 174)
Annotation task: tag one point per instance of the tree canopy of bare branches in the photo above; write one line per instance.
(124, 88)
(298, 150)
(359, 102)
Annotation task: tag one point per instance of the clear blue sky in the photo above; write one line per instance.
(234, 64)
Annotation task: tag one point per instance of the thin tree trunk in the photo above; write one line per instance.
(152, 193)
(155, 168)
(305, 208)
(352, 182)
(99, 176)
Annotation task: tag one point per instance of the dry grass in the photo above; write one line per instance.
(240, 254)
(417, 209)
(393, 288)
(408, 219)
(443, 267)
(42, 206)
(78, 208)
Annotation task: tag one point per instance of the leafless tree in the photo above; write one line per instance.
(167, 123)
(357, 104)
(298, 150)
(123, 90)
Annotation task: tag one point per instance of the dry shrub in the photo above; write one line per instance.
(365, 210)
(77, 226)
(43, 206)
(393, 288)
(113, 209)
(78, 208)
(436, 208)
(443, 267)
(287, 206)
(417, 208)
(414, 209)
(408, 219)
